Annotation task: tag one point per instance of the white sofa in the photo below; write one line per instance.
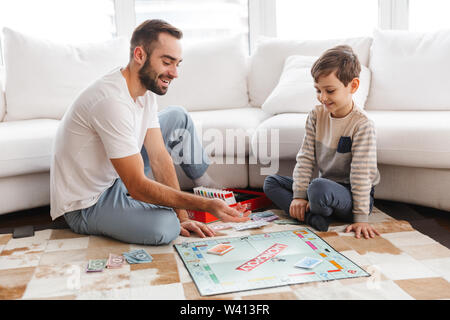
(227, 94)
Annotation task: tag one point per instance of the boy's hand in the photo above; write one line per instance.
(364, 227)
(298, 208)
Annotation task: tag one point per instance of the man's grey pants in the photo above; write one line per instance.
(121, 217)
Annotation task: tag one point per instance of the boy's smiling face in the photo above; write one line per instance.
(334, 95)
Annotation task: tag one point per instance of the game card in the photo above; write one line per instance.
(308, 263)
(221, 226)
(220, 249)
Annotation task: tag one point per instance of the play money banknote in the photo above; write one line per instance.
(115, 261)
(137, 256)
(96, 265)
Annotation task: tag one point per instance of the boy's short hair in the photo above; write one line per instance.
(148, 32)
(340, 59)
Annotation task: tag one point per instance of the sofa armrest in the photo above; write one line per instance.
(2, 94)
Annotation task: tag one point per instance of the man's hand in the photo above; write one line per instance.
(221, 210)
(197, 227)
(366, 229)
(298, 209)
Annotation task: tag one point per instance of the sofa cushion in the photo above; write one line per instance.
(212, 75)
(266, 64)
(288, 128)
(413, 138)
(26, 146)
(44, 78)
(295, 90)
(409, 71)
(227, 132)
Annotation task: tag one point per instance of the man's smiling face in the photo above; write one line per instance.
(160, 68)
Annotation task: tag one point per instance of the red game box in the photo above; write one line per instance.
(254, 200)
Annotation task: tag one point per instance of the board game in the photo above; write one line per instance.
(264, 260)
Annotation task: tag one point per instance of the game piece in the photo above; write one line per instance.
(220, 249)
(308, 263)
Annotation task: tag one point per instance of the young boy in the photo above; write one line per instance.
(340, 140)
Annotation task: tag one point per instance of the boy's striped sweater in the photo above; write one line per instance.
(344, 150)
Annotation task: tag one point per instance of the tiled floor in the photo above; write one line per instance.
(431, 222)
(403, 263)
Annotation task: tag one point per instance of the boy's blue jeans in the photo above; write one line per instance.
(121, 217)
(325, 196)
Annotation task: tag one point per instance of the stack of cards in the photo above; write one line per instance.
(287, 221)
(308, 263)
(249, 225)
(227, 196)
(220, 226)
(220, 249)
(264, 216)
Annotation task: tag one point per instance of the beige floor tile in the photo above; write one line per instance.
(103, 252)
(50, 287)
(58, 234)
(67, 244)
(162, 270)
(64, 257)
(409, 238)
(173, 291)
(401, 266)
(392, 226)
(427, 251)
(97, 242)
(4, 238)
(13, 282)
(440, 266)
(19, 261)
(377, 244)
(108, 279)
(426, 288)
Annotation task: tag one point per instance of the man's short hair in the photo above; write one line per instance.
(340, 59)
(148, 32)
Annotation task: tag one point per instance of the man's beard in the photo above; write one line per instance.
(149, 79)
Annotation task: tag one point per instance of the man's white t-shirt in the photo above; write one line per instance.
(103, 123)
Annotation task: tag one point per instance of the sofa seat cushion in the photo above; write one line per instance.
(287, 128)
(227, 132)
(26, 146)
(413, 138)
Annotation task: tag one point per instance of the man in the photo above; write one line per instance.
(111, 136)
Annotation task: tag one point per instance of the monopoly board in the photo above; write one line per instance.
(264, 260)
